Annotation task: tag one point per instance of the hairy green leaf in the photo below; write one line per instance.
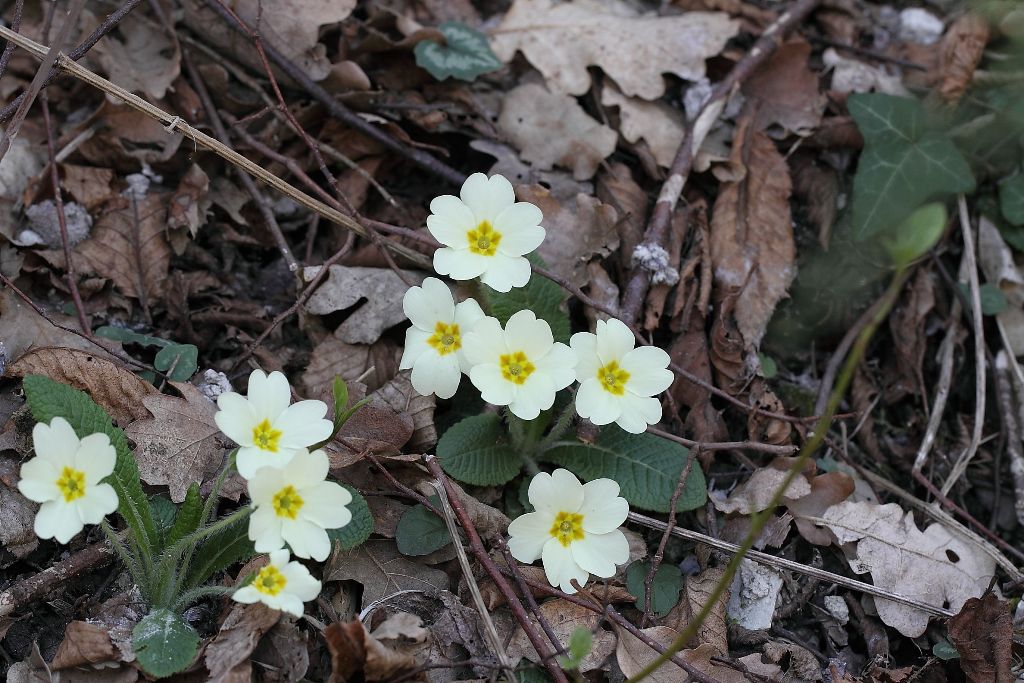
(465, 55)
(474, 451)
(189, 516)
(218, 552)
(665, 587)
(420, 531)
(540, 295)
(48, 399)
(359, 529)
(905, 162)
(646, 467)
(164, 644)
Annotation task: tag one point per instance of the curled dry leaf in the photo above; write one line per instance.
(334, 358)
(550, 128)
(662, 127)
(139, 56)
(907, 324)
(577, 231)
(120, 392)
(898, 554)
(84, 644)
(616, 186)
(697, 592)
(379, 289)
(962, 49)
(562, 40)
(828, 489)
(17, 516)
(983, 635)
(564, 617)
(178, 443)
(759, 426)
(754, 494)
(399, 395)
(356, 654)
(189, 203)
(227, 655)
(752, 247)
(284, 653)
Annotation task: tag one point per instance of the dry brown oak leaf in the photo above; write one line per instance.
(180, 444)
(564, 618)
(562, 40)
(983, 635)
(633, 655)
(933, 566)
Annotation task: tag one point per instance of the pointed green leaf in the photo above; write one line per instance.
(420, 531)
(189, 516)
(218, 552)
(646, 467)
(359, 529)
(164, 644)
(475, 451)
(465, 55)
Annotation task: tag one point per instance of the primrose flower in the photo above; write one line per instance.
(280, 585)
(617, 381)
(65, 477)
(485, 233)
(575, 529)
(295, 505)
(521, 367)
(268, 431)
(433, 345)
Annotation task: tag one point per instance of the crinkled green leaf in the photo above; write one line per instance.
(665, 587)
(540, 295)
(164, 643)
(359, 529)
(420, 531)
(189, 516)
(48, 399)
(475, 451)
(904, 163)
(646, 467)
(465, 55)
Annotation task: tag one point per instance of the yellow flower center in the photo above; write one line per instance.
(446, 338)
(516, 367)
(613, 378)
(265, 437)
(270, 581)
(568, 527)
(484, 239)
(288, 502)
(71, 484)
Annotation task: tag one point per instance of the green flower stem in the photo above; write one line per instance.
(190, 597)
(758, 521)
(562, 424)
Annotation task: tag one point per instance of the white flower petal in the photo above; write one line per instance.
(485, 342)
(265, 530)
(247, 595)
(302, 424)
(251, 459)
(99, 501)
(603, 509)
(493, 387)
(325, 505)
(300, 582)
(415, 346)
(467, 314)
(39, 480)
(560, 567)
(596, 404)
(460, 264)
(503, 273)
(522, 239)
(55, 442)
(537, 393)
(58, 520)
(648, 370)
(451, 219)
(235, 418)
(487, 197)
(96, 457)
(519, 216)
(427, 305)
(587, 362)
(308, 469)
(524, 332)
(288, 603)
(306, 539)
(638, 412)
(614, 340)
(263, 485)
(433, 373)
(557, 492)
(527, 535)
(599, 553)
(268, 394)
(559, 364)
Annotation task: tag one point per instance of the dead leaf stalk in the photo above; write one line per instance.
(338, 110)
(726, 445)
(1010, 395)
(480, 552)
(979, 348)
(942, 389)
(661, 216)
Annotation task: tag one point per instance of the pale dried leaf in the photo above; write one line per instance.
(633, 655)
(562, 40)
(84, 644)
(121, 393)
(898, 554)
(577, 231)
(380, 290)
(88, 185)
(189, 203)
(963, 46)
(383, 571)
(180, 444)
(755, 493)
(284, 653)
(752, 247)
(22, 162)
(400, 396)
(697, 592)
(852, 75)
(564, 617)
(550, 128)
(17, 516)
(401, 625)
(334, 358)
(662, 127)
(753, 594)
(998, 264)
(139, 56)
(827, 490)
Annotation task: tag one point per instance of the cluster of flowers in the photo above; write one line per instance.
(292, 501)
(487, 234)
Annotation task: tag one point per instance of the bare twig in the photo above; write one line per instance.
(942, 390)
(979, 349)
(726, 445)
(661, 216)
(5, 58)
(37, 586)
(1011, 397)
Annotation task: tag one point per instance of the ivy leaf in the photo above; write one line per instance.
(665, 587)
(540, 295)
(48, 399)
(164, 644)
(466, 55)
(904, 162)
(1011, 199)
(474, 451)
(646, 467)
(420, 531)
(359, 529)
(183, 358)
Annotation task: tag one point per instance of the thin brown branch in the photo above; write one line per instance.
(37, 586)
(726, 445)
(5, 58)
